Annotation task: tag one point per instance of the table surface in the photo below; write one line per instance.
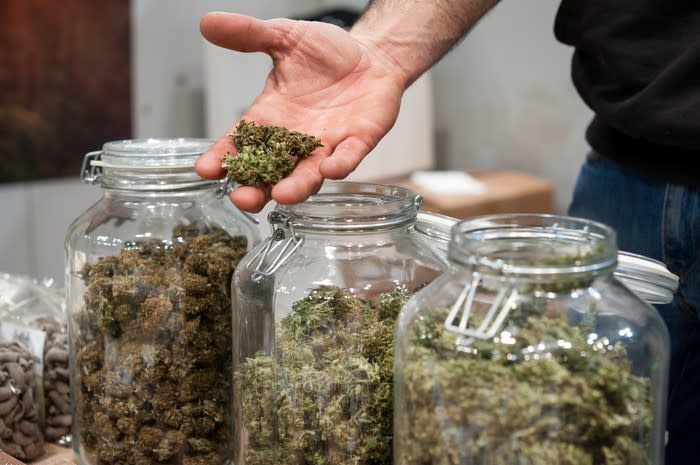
(55, 454)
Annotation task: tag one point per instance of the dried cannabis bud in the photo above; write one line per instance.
(325, 397)
(154, 347)
(548, 395)
(266, 154)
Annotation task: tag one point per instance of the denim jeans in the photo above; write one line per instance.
(660, 221)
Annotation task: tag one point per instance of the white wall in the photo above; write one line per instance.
(35, 217)
(504, 99)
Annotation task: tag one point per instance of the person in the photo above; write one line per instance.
(635, 64)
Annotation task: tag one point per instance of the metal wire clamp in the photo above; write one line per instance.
(457, 320)
(283, 241)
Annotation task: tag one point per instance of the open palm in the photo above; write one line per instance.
(324, 82)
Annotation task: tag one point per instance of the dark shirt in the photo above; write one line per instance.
(636, 64)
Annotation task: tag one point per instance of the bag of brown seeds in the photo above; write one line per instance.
(31, 313)
(20, 430)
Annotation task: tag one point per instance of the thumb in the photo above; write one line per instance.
(240, 32)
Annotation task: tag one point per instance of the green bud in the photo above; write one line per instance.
(266, 154)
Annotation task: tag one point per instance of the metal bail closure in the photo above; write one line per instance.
(282, 243)
(224, 188)
(89, 172)
(457, 320)
(418, 201)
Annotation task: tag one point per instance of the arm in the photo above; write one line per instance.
(344, 88)
(416, 34)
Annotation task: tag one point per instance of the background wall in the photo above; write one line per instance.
(502, 99)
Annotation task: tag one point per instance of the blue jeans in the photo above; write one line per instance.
(660, 221)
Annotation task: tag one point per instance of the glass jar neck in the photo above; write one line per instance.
(131, 192)
(542, 247)
(351, 207)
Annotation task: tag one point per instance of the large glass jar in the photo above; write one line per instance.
(530, 351)
(314, 317)
(148, 272)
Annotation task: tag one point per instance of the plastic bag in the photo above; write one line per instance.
(20, 431)
(31, 314)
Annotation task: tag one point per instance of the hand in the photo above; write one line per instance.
(324, 82)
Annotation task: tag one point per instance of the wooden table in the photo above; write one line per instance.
(55, 454)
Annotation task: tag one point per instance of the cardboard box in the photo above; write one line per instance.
(505, 192)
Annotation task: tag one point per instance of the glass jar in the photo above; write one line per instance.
(148, 272)
(530, 351)
(314, 315)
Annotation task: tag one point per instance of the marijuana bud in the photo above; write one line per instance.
(266, 154)
(546, 395)
(154, 350)
(325, 395)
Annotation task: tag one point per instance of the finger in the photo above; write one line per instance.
(249, 198)
(344, 159)
(208, 165)
(238, 32)
(298, 186)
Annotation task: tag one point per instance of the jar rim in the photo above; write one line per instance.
(354, 206)
(544, 245)
(649, 278)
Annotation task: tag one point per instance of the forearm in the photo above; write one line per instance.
(414, 34)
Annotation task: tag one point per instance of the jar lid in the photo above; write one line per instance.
(648, 278)
(436, 227)
(164, 160)
(154, 153)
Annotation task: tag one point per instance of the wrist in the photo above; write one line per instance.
(403, 52)
(387, 55)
